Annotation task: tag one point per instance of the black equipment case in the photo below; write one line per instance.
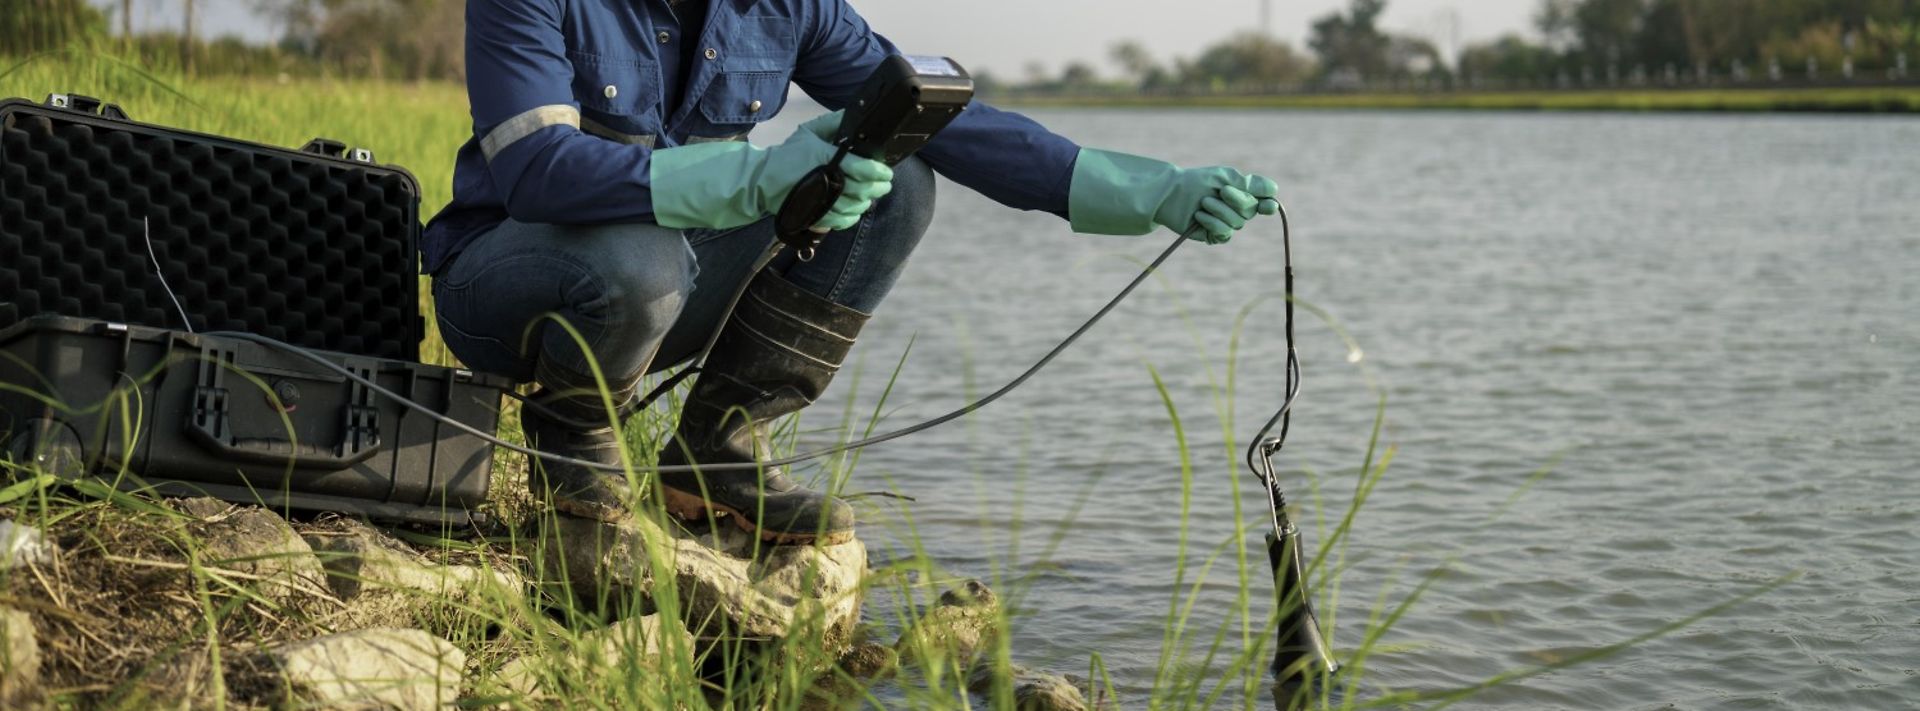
(316, 247)
(111, 229)
(203, 415)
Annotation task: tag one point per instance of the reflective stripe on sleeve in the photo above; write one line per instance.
(595, 128)
(512, 130)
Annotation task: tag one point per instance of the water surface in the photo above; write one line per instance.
(1705, 326)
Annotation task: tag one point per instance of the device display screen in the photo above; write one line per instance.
(933, 66)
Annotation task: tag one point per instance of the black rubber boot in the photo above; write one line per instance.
(577, 428)
(775, 355)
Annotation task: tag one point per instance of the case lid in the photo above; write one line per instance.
(100, 215)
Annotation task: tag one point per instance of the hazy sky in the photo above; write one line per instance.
(1004, 35)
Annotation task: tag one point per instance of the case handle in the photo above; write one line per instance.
(209, 425)
(87, 105)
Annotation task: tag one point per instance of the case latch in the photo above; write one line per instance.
(335, 149)
(86, 105)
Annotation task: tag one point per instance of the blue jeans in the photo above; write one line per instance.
(645, 297)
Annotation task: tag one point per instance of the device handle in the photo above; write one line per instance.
(808, 203)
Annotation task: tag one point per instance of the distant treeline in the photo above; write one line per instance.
(1592, 42)
(1574, 43)
(396, 39)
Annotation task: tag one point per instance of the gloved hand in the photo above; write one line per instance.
(733, 183)
(1120, 194)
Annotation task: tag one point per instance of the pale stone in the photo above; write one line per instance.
(959, 626)
(600, 564)
(629, 643)
(747, 588)
(768, 595)
(379, 668)
(381, 582)
(21, 545)
(1097, 696)
(870, 660)
(1033, 690)
(270, 557)
(202, 508)
(19, 659)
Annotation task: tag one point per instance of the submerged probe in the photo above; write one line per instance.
(1301, 653)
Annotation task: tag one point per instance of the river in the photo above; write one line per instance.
(1703, 329)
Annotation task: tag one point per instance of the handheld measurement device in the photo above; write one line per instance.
(905, 102)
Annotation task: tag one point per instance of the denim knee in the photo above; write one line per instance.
(617, 287)
(639, 277)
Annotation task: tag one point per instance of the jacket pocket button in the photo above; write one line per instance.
(754, 107)
(611, 91)
(713, 53)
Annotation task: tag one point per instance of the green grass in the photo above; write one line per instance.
(1837, 100)
(197, 617)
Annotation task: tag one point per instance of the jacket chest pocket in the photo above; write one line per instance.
(623, 87)
(739, 99)
(751, 85)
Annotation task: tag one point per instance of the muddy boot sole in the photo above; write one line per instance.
(690, 507)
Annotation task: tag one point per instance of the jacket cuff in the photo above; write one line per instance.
(1116, 193)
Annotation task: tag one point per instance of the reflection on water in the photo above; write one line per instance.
(1703, 325)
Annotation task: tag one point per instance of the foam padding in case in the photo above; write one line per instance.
(311, 250)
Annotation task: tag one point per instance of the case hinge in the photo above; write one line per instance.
(362, 416)
(210, 394)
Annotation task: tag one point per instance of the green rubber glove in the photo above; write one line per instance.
(733, 183)
(1120, 194)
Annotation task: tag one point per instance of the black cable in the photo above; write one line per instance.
(744, 466)
(1261, 450)
(146, 233)
(1262, 446)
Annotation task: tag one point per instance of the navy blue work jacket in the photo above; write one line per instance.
(571, 97)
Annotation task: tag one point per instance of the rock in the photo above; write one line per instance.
(19, 659)
(379, 668)
(635, 641)
(766, 596)
(604, 565)
(725, 588)
(381, 582)
(959, 626)
(1033, 690)
(1098, 696)
(259, 545)
(21, 544)
(202, 508)
(870, 660)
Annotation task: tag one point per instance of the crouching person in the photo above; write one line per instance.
(608, 207)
